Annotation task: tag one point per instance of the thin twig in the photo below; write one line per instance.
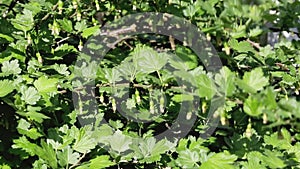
(113, 45)
(172, 42)
(256, 45)
(10, 8)
(282, 66)
(64, 39)
(48, 14)
(78, 162)
(78, 89)
(125, 84)
(117, 32)
(127, 44)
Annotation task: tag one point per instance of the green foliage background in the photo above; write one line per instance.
(259, 123)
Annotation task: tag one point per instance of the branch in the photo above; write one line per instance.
(78, 162)
(117, 32)
(10, 8)
(256, 45)
(113, 45)
(62, 40)
(172, 42)
(48, 14)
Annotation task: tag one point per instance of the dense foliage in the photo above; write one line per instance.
(258, 124)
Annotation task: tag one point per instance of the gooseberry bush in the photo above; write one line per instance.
(146, 83)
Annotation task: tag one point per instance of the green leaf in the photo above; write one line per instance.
(146, 146)
(255, 32)
(130, 103)
(24, 144)
(105, 131)
(191, 10)
(90, 31)
(288, 79)
(239, 31)
(127, 69)
(291, 105)
(23, 128)
(177, 63)
(254, 161)
(5, 166)
(119, 142)
(277, 142)
(10, 67)
(186, 56)
(208, 6)
(84, 142)
(24, 22)
(45, 85)
(47, 153)
(34, 7)
(253, 106)
(6, 37)
(116, 124)
(188, 158)
(273, 159)
(40, 164)
(219, 161)
(241, 47)
(61, 69)
(206, 87)
(161, 147)
(67, 156)
(253, 81)
(150, 151)
(112, 75)
(182, 97)
(6, 87)
(87, 70)
(148, 60)
(225, 80)
(38, 117)
(101, 162)
(66, 49)
(270, 98)
(29, 95)
(65, 24)
(80, 26)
